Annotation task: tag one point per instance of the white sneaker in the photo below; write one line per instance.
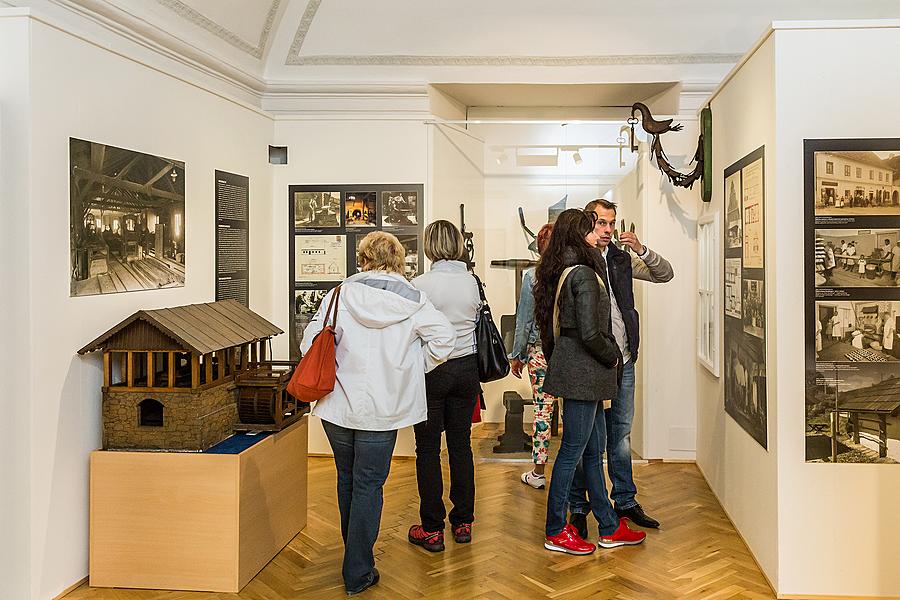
(534, 480)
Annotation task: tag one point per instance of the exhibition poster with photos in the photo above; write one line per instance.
(852, 258)
(327, 225)
(745, 296)
(127, 228)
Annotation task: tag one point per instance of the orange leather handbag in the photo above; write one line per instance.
(314, 377)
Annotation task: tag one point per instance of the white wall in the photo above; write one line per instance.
(337, 152)
(666, 366)
(82, 90)
(839, 525)
(15, 316)
(740, 472)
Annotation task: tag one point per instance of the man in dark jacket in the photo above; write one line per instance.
(622, 269)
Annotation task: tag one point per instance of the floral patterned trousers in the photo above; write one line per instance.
(543, 405)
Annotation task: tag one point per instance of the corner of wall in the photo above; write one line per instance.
(15, 298)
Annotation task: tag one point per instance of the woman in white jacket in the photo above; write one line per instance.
(388, 334)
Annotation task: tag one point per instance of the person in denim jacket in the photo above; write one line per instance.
(527, 351)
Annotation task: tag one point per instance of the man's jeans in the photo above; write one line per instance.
(363, 461)
(618, 451)
(584, 430)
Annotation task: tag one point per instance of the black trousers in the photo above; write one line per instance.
(452, 390)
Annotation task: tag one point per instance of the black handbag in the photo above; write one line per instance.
(493, 363)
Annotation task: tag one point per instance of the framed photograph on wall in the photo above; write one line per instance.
(127, 220)
(400, 208)
(852, 301)
(317, 210)
(361, 209)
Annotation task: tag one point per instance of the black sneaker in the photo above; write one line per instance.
(579, 522)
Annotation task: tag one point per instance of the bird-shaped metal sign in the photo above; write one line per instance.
(656, 128)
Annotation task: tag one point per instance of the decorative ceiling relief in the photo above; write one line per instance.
(305, 23)
(200, 20)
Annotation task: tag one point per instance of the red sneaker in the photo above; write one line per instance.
(433, 541)
(623, 536)
(568, 541)
(462, 533)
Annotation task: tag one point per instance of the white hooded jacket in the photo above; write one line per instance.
(388, 335)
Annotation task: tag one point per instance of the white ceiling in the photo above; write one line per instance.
(294, 42)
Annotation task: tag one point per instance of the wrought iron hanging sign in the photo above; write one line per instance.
(702, 168)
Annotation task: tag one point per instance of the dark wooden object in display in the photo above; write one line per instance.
(519, 264)
(513, 438)
(169, 375)
(656, 129)
(513, 402)
(263, 401)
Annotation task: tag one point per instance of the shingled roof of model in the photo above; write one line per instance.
(200, 328)
(883, 397)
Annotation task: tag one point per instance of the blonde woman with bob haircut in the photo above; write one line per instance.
(388, 336)
(452, 390)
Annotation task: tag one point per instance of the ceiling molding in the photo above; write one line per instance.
(204, 22)
(509, 61)
(305, 23)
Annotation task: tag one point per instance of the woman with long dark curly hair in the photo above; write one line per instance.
(572, 308)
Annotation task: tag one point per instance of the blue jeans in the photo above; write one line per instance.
(618, 451)
(363, 461)
(583, 439)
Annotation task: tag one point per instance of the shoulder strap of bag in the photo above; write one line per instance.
(559, 286)
(332, 304)
(480, 288)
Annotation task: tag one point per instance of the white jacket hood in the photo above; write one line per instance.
(389, 299)
(388, 335)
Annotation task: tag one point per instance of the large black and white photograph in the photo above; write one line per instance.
(753, 307)
(857, 182)
(400, 209)
(734, 232)
(745, 381)
(127, 228)
(317, 210)
(360, 209)
(861, 331)
(857, 257)
(853, 414)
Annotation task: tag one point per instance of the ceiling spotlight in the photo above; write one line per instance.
(577, 158)
(501, 158)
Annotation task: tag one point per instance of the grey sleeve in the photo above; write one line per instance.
(653, 267)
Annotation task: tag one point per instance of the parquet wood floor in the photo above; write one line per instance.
(696, 555)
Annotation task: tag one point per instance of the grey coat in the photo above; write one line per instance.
(584, 362)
